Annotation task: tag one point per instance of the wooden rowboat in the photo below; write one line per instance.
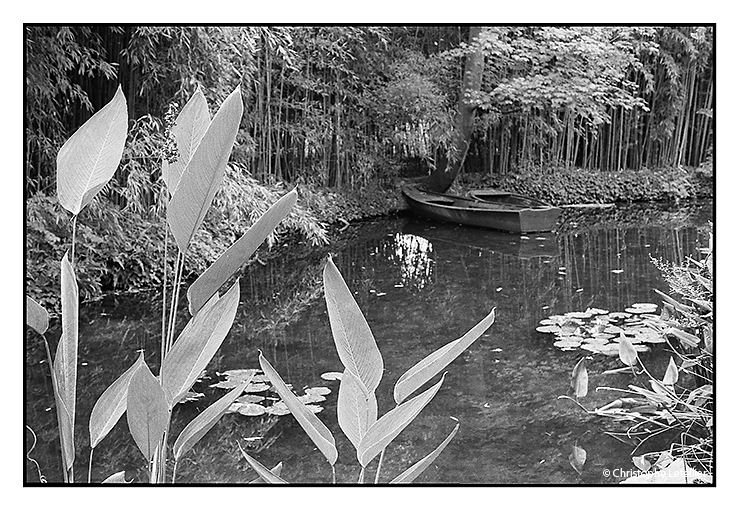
(491, 209)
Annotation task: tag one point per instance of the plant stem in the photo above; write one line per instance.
(89, 468)
(164, 300)
(74, 236)
(379, 466)
(361, 476)
(175, 301)
(58, 413)
(174, 471)
(333, 473)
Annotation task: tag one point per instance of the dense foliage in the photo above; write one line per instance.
(346, 106)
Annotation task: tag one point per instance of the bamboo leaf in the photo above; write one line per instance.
(626, 352)
(90, 157)
(65, 362)
(197, 344)
(416, 469)
(198, 427)
(356, 409)
(119, 477)
(316, 430)
(111, 405)
(275, 471)
(189, 128)
(678, 306)
(146, 411)
(36, 316)
(203, 174)
(352, 335)
(431, 365)
(266, 475)
(387, 428)
(579, 381)
(238, 253)
(671, 374)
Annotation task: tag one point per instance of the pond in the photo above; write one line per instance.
(420, 285)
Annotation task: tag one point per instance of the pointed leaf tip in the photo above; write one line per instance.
(90, 157)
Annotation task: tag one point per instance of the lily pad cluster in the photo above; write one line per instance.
(599, 331)
(260, 397)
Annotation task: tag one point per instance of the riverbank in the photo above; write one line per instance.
(122, 250)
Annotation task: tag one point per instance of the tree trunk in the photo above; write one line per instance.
(447, 168)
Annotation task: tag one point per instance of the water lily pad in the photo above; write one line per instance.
(314, 408)
(249, 399)
(570, 328)
(568, 343)
(318, 390)
(311, 399)
(578, 315)
(331, 376)
(641, 348)
(548, 329)
(651, 337)
(547, 322)
(601, 339)
(638, 310)
(596, 311)
(558, 319)
(619, 315)
(644, 305)
(613, 330)
(256, 388)
(610, 349)
(278, 409)
(252, 410)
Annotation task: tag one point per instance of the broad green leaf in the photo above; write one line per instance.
(266, 475)
(641, 462)
(416, 469)
(90, 157)
(678, 306)
(579, 381)
(111, 405)
(671, 374)
(36, 316)
(686, 339)
(352, 335)
(316, 430)
(146, 411)
(626, 352)
(198, 427)
(119, 477)
(65, 420)
(356, 409)
(238, 253)
(387, 428)
(431, 365)
(197, 344)
(275, 471)
(190, 126)
(65, 362)
(577, 458)
(204, 173)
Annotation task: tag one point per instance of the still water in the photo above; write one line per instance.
(420, 285)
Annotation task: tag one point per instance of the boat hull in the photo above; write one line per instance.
(510, 217)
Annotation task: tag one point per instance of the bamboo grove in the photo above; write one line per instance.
(347, 106)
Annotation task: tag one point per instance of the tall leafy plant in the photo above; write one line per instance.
(85, 165)
(357, 411)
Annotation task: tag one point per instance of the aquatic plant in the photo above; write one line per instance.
(192, 174)
(357, 412)
(679, 403)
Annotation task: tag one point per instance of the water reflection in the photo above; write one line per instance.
(415, 257)
(420, 285)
